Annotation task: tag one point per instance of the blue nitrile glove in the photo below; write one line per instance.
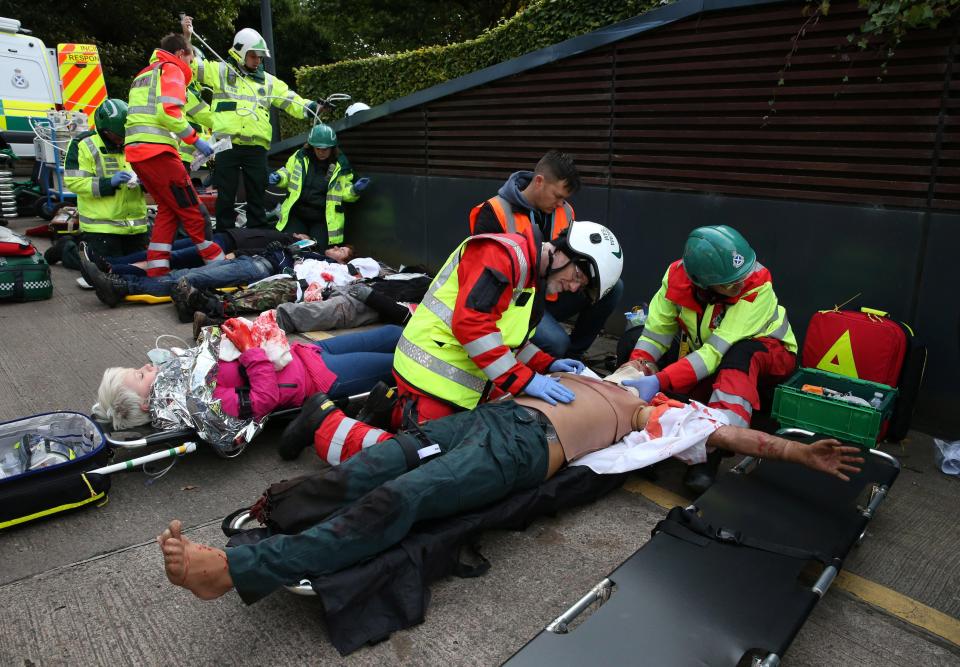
(548, 389)
(361, 184)
(203, 147)
(313, 110)
(567, 366)
(648, 386)
(273, 178)
(120, 177)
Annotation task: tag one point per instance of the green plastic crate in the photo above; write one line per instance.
(828, 416)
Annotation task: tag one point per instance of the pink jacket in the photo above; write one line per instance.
(270, 390)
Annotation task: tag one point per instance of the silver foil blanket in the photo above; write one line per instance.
(182, 397)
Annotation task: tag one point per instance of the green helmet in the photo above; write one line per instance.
(322, 136)
(717, 255)
(111, 115)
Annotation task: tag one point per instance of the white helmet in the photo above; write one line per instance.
(355, 107)
(595, 244)
(249, 39)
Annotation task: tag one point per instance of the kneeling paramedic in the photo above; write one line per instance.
(734, 333)
(113, 216)
(469, 340)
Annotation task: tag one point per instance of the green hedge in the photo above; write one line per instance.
(382, 78)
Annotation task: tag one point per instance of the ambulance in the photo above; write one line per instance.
(29, 86)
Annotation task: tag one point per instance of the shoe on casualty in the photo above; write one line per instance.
(85, 263)
(180, 295)
(54, 253)
(94, 257)
(700, 476)
(201, 320)
(110, 288)
(378, 408)
(299, 433)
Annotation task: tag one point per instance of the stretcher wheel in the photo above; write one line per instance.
(243, 521)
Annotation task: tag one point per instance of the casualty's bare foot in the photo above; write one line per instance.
(200, 569)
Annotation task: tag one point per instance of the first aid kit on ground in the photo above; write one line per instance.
(24, 274)
(45, 464)
(869, 345)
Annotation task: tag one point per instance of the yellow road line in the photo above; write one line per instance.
(894, 603)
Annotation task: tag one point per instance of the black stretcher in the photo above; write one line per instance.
(769, 540)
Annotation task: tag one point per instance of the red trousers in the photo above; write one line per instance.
(168, 182)
(749, 363)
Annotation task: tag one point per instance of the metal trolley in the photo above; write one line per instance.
(52, 138)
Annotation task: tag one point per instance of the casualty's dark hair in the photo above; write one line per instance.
(557, 166)
(173, 43)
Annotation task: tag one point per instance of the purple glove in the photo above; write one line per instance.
(648, 386)
(548, 389)
(203, 147)
(361, 184)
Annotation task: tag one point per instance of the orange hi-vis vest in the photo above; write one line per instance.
(520, 223)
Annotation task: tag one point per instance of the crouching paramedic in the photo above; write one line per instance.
(113, 217)
(326, 522)
(155, 122)
(720, 299)
(468, 341)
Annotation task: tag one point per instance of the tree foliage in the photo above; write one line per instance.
(360, 28)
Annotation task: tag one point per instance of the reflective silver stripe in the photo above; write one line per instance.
(201, 65)
(733, 417)
(185, 132)
(781, 330)
(160, 247)
(220, 256)
(77, 173)
(371, 438)
(518, 252)
(334, 198)
(158, 264)
(664, 339)
(338, 440)
(114, 223)
(718, 344)
(510, 224)
(698, 364)
(140, 82)
(731, 399)
(147, 129)
(649, 348)
(203, 245)
(169, 99)
(94, 150)
(438, 308)
(484, 344)
(95, 188)
(500, 366)
(527, 352)
(569, 211)
(197, 108)
(286, 103)
(440, 367)
(141, 110)
(234, 96)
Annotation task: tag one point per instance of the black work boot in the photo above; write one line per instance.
(110, 288)
(299, 432)
(54, 253)
(700, 476)
(180, 296)
(378, 408)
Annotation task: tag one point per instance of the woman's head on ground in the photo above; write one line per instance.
(124, 396)
(341, 253)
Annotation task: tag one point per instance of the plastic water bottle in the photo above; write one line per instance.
(636, 316)
(11, 464)
(876, 400)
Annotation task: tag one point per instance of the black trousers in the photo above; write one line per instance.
(251, 162)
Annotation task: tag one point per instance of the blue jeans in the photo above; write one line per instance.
(361, 359)
(553, 339)
(226, 273)
(184, 256)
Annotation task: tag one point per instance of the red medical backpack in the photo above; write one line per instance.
(870, 346)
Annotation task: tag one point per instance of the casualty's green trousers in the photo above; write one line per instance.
(372, 500)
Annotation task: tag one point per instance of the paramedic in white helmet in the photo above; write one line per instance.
(242, 96)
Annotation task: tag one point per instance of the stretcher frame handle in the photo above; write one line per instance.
(599, 593)
(304, 588)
